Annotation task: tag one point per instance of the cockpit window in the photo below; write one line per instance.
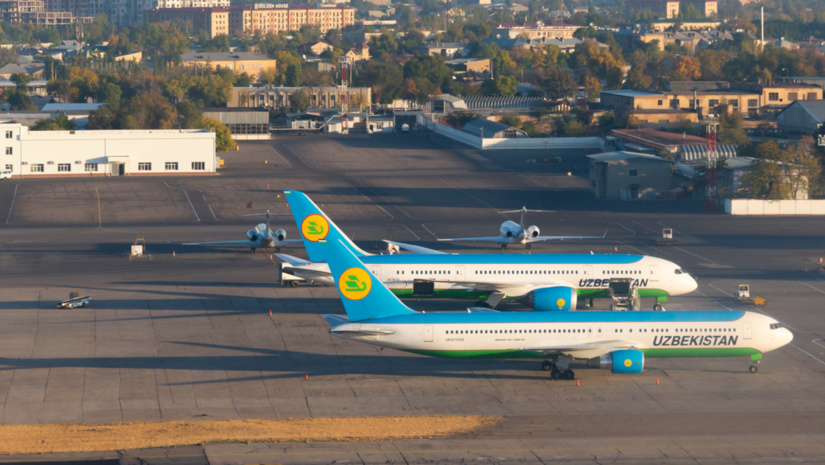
(776, 325)
(678, 271)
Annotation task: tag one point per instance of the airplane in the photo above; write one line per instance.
(512, 233)
(75, 302)
(619, 341)
(548, 282)
(259, 236)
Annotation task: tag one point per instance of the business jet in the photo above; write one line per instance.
(547, 282)
(619, 341)
(261, 236)
(512, 233)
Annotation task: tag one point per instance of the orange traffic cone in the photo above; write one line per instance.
(657, 381)
(306, 375)
(577, 381)
(270, 312)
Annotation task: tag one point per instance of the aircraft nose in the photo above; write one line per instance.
(690, 284)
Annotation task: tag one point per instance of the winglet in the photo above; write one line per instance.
(363, 295)
(314, 226)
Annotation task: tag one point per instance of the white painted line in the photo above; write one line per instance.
(696, 255)
(281, 156)
(297, 156)
(428, 230)
(806, 353)
(411, 232)
(816, 341)
(11, 208)
(649, 229)
(187, 199)
(207, 204)
(384, 199)
(631, 247)
(817, 290)
(623, 226)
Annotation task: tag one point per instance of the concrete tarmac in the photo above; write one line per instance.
(185, 332)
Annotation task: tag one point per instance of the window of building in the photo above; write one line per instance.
(9, 134)
(9, 167)
(64, 167)
(90, 167)
(144, 166)
(37, 168)
(661, 102)
(8, 150)
(812, 96)
(773, 96)
(792, 96)
(633, 173)
(753, 103)
(198, 166)
(713, 102)
(733, 103)
(171, 166)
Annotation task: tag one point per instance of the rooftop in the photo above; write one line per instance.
(624, 155)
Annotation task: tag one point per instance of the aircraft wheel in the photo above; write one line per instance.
(569, 374)
(753, 368)
(252, 249)
(659, 308)
(555, 374)
(293, 284)
(547, 365)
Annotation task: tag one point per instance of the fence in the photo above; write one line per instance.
(526, 143)
(774, 207)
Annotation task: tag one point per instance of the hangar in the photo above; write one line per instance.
(106, 153)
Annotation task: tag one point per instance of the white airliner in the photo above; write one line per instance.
(619, 341)
(512, 233)
(548, 282)
(261, 236)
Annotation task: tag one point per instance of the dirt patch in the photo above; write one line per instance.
(36, 439)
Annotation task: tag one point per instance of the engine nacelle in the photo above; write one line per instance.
(280, 235)
(252, 234)
(553, 299)
(509, 229)
(620, 361)
(533, 231)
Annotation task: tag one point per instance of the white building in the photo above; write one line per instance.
(106, 153)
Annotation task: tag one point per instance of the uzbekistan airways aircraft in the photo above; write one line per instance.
(549, 282)
(619, 341)
(512, 233)
(258, 237)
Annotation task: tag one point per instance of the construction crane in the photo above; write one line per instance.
(713, 156)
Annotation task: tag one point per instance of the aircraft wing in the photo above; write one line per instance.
(294, 261)
(586, 350)
(243, 243)
(416, 248)
(290, 241)
(561, 238)
(497, 239)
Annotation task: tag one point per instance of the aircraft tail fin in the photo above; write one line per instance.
(314, 226)
(363, 295)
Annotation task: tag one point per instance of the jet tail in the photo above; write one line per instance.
(363, 295)
(315, 226)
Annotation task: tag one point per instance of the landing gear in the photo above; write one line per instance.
(754, 366)
(503, 246)
(658, 308)
(293, 283)
(556, 372)
(252, 249)
(527, 246)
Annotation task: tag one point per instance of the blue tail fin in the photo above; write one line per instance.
(315, 226)
(363, 295)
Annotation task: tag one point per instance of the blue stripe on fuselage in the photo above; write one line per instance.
(500, 259)
(590, 317)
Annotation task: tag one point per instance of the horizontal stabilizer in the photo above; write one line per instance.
(294, 261)
(416, 248)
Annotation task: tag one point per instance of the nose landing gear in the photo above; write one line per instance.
(556, 372)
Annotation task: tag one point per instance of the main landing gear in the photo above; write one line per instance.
(556, 372)
(658, 308)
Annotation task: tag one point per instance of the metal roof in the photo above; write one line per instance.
(624, 155)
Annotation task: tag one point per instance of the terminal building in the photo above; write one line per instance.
(106, 153)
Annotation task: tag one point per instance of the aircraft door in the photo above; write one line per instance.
(428, 333)
(459, 272)
(588, 271)
(654, 272)
(748, 331)
(376, 270)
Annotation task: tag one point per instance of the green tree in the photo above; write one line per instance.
(58, 123)
(557, 83)
(223, 138)
(299, 101)
(502, 86)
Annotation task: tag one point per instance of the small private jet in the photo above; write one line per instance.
(261, 236)
(512, 233)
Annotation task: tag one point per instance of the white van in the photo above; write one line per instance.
(5, 174)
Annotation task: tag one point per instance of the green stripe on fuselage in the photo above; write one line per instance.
(659, 294)
(650, 353)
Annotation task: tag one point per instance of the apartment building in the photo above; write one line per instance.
(240, 20)
(239, 62)
(671, 8)
(535, 30)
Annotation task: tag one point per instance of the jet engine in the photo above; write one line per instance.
(552, 299)
(280, 234)
(252, 234)
(509, 229)
(620, 361)
(533, 231)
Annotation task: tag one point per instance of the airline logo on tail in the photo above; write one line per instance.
(315, 228)
(355, 283)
